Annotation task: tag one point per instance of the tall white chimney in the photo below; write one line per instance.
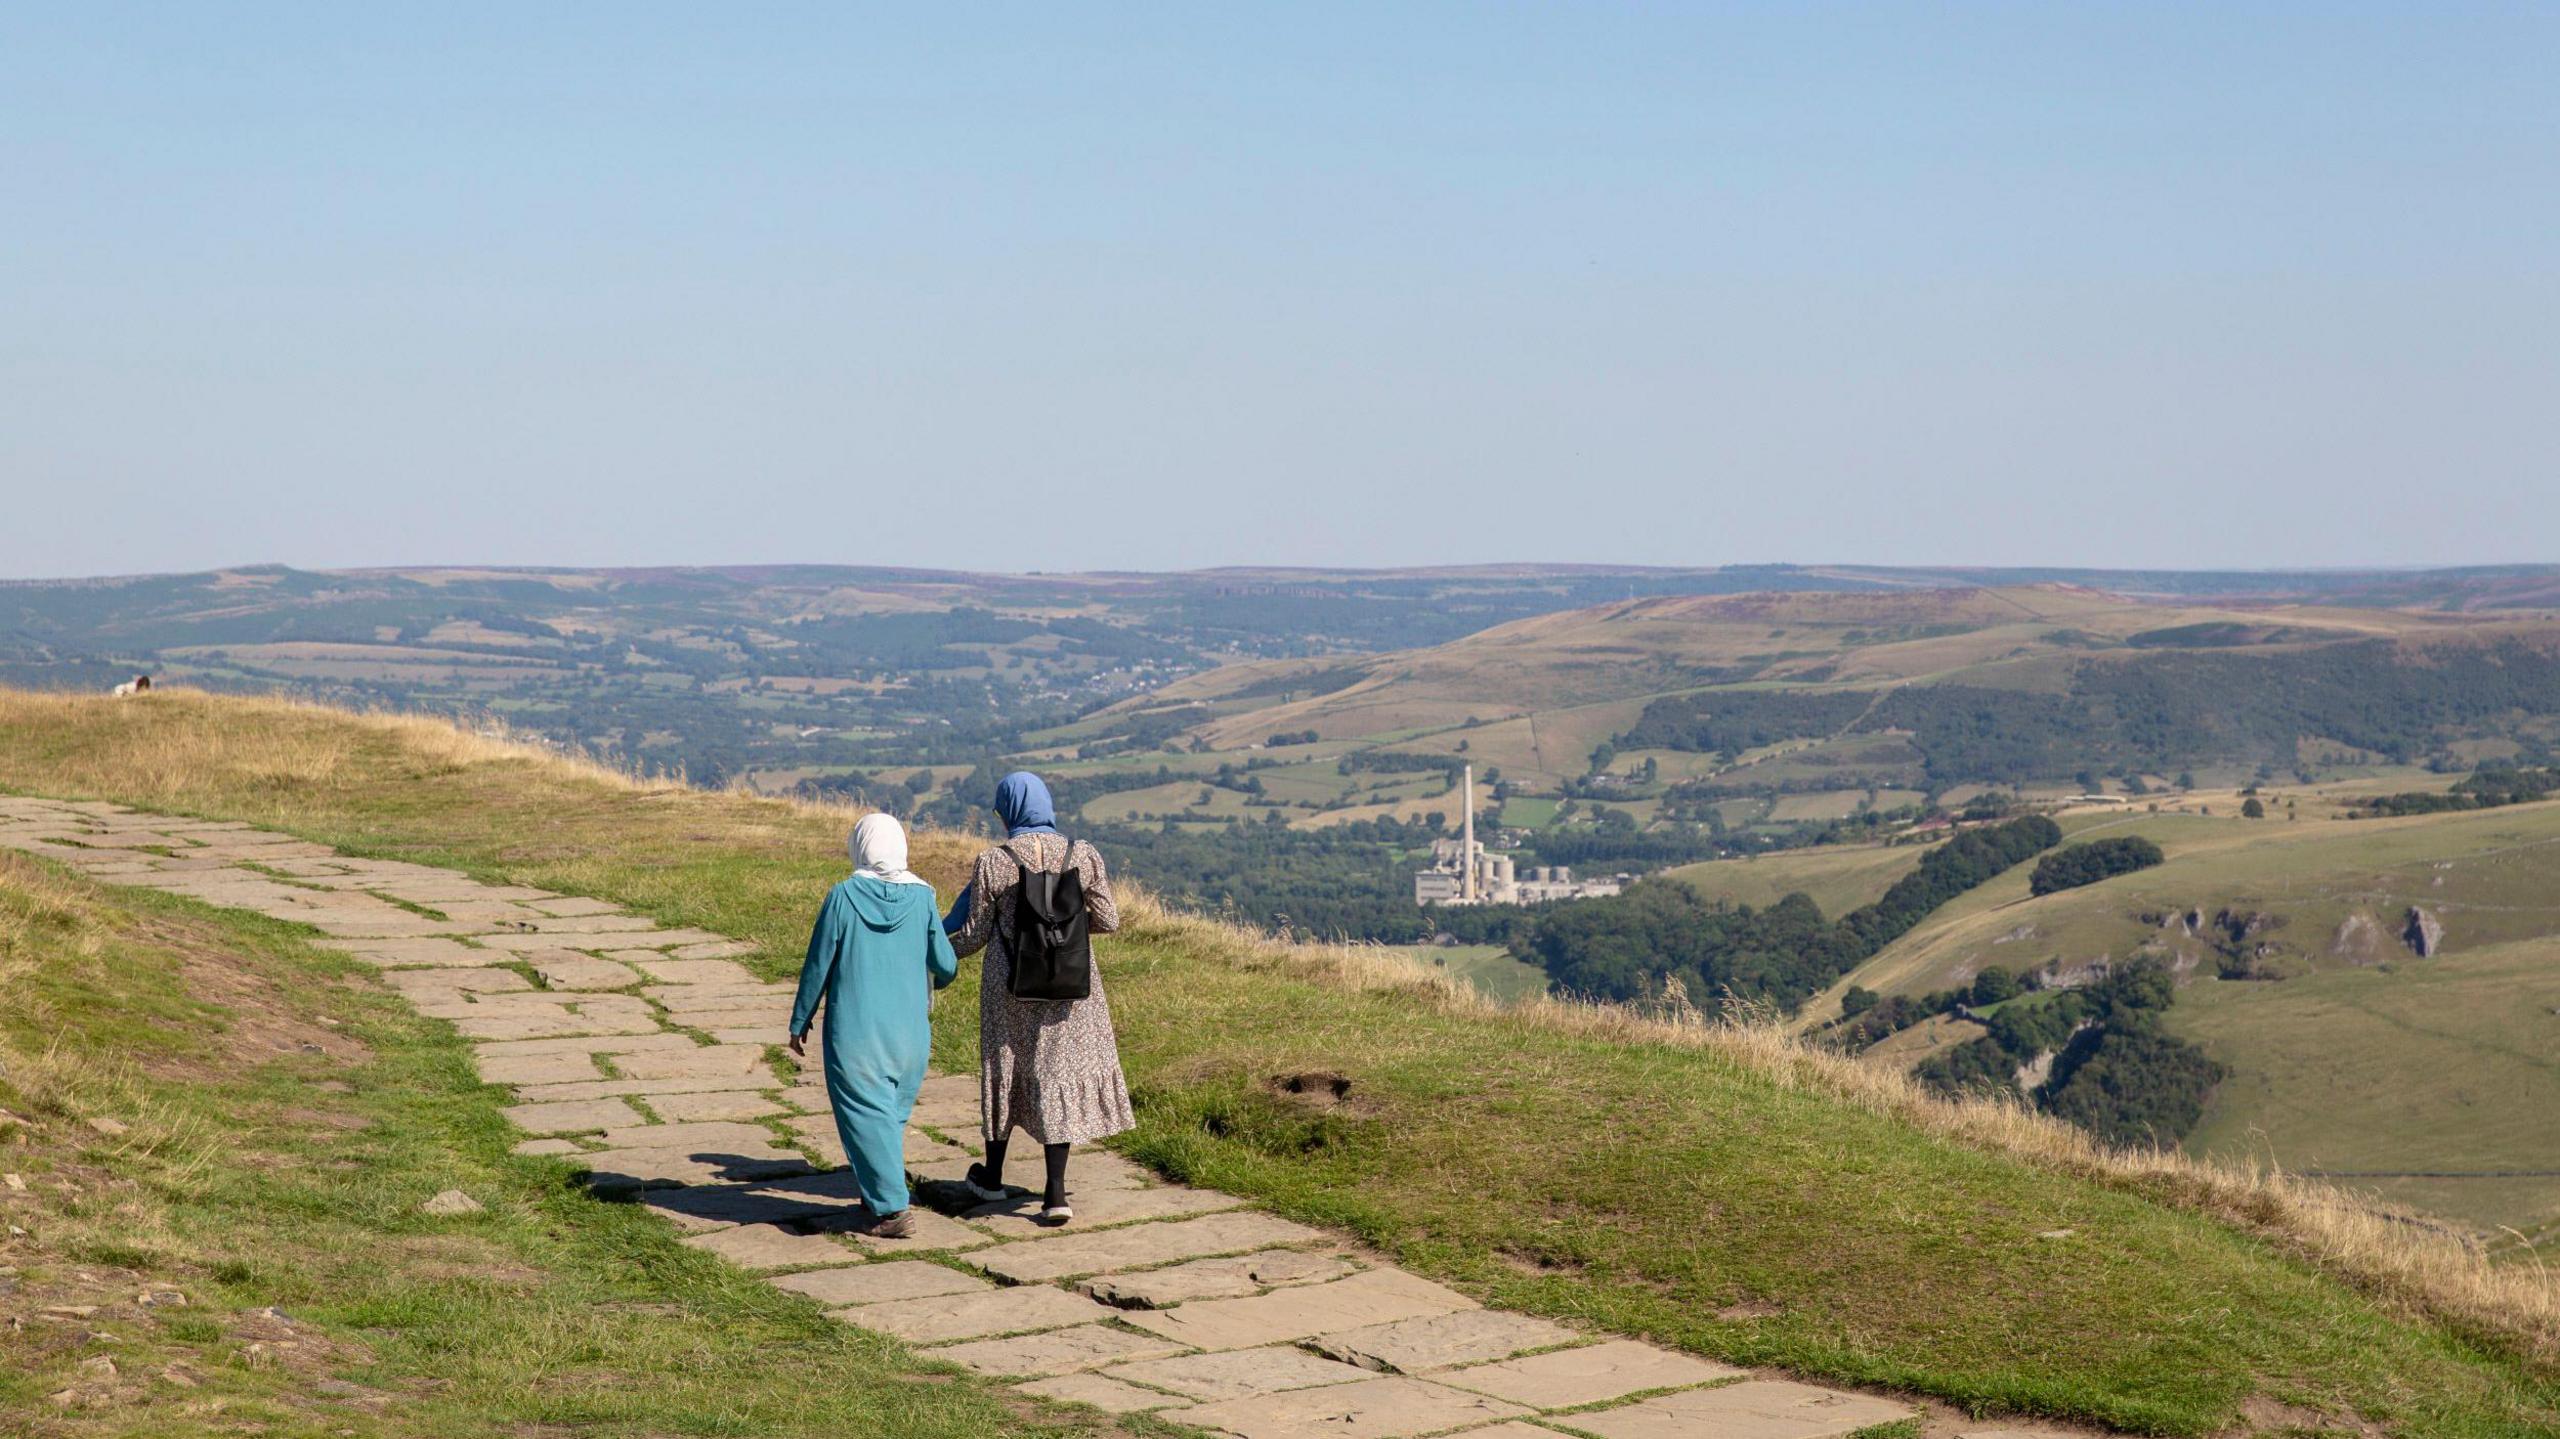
(1467, 844)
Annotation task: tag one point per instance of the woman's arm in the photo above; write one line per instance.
(939, 959)
(976, 910)
(815, 967)
(1102, 910)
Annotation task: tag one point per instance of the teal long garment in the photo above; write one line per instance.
(875, 949)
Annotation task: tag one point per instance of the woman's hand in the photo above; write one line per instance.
(798, 1045)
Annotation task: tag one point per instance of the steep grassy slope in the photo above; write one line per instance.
(217, 1139)
(1716, 1192)
(1839, 878)
(2349, 1053)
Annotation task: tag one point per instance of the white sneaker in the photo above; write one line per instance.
(1056, 1213)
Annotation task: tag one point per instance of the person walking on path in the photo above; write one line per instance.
(1049, 1067)
(871, 955)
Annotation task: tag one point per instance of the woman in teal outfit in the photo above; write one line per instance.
(877, 942)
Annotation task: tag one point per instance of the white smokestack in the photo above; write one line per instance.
(1467, 843)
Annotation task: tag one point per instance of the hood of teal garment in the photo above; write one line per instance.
(883, 906)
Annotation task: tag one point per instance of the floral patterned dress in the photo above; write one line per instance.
(1050, 1067)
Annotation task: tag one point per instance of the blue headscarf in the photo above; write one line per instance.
(1023, 803)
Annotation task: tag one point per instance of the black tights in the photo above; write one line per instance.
(1055, 1154)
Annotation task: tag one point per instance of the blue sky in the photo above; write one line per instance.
(1066, 287)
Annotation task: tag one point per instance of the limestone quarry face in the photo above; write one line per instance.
(2424, 933)
(2359, 940)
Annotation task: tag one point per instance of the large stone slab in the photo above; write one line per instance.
(883, 1283)
(553, 1022)
(1230, 1278)
(715, 1104)
(1060, 1351)
(710, 1136)
(662, 939)
(1020, 1216)
(425, 987)
(402, 953)
(685, 971)
(568, 969)
(574, 1117)
(1755, 1409)
(1442, 1341)
(528, 942)
(803, 1197)
(608, 1088)
(543, 1070)
(1593, 1374)
(582, 1044)
(700, 1062)
(1108, 1395)
(617, 925)
(760, 1024)
(943, 1318)
(1287, 1315)
(772, 1246)
(646, 1168)
(716, 995)
(1371, 1409)
(722, 998)
(1241, 1372)
(1100, 1252)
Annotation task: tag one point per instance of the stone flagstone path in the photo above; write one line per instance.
(643, 1054)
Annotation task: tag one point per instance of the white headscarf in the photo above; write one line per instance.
(879, 849)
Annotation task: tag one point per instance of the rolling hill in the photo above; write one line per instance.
(2432, 1079)
(1835, 703)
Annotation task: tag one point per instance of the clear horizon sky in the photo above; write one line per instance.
(1084, 287)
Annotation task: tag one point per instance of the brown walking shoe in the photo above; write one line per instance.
(901, 1225)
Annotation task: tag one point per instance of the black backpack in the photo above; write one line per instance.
(1050, 941)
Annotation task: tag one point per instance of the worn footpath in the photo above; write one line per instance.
(644, 1056)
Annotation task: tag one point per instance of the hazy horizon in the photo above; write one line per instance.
(2263, 287)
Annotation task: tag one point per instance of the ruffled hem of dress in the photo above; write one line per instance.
(1077, 1115)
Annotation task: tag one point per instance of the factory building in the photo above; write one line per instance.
(1464, 872)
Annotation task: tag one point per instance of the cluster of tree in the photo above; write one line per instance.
(1629, 947)
(2489, 787)
(1867, 1017)
(1387, 761)
(2153, 710)
(1971, 858)
(2089, 863)
(2116, 1072)
(1290, 737)
(1615, 842)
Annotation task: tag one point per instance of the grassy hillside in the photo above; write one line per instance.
(1718, 1191)
(1839, 878)
(2349, 1053)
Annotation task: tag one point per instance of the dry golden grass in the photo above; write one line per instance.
(2396, 1256)
(2392, 1254)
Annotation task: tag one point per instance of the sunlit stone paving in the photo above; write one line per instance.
(644, 1055)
